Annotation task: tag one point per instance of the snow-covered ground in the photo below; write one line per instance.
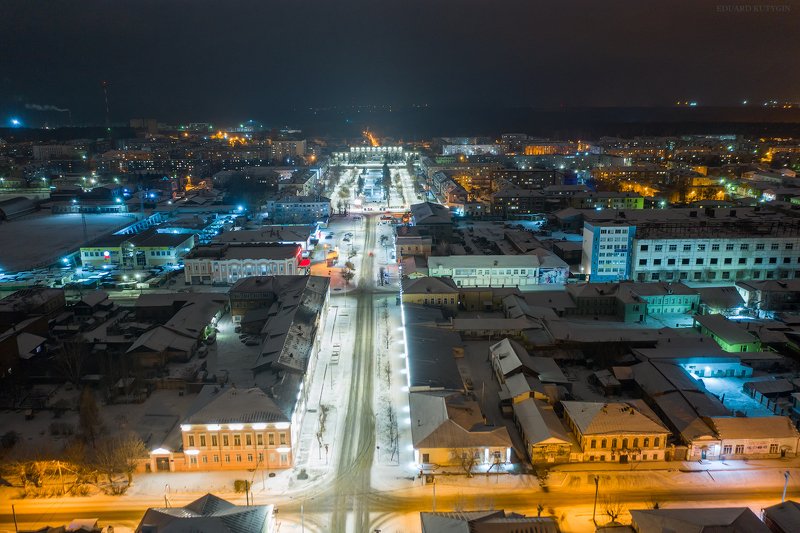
(41, 239)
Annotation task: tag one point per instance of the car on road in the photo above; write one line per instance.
(346, 239)
(251, 342)
(329, 236)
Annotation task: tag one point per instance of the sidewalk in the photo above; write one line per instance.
(681, 466)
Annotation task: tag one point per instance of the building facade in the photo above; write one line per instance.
(226, 263)
(691, 245)
(235, 429)
(520, 271)
(298, 209)
(617, 432)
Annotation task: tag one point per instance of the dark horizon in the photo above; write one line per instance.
(421, 123)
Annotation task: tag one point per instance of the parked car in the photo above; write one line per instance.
(251, 342)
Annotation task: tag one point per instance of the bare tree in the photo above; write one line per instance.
(613, 508)
(348, 273)
(466, 459)
(89, 415)
(71, 359)
(119, 454)
(323, 418)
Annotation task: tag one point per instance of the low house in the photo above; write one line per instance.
(720, 300)
(728, 334)
(486, 522)
(448, 429)
(434, 218)
(755, 437)
(771, 295)
(437, 292)
(508, 357)
(697, 520)
(616, 431)
(91, 303)
(770, 393)
(546, 438)
(783, 517)
(208, 514)
(160, 345)
(684, 403)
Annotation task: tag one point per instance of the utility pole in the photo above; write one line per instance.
(14, 514)
(596, 490)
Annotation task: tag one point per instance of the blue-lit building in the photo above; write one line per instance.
(606, 250)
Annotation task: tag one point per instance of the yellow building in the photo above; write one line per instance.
(433, 292)
(234, 429)
(617, 432)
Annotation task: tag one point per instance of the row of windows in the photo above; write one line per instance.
(161, 253)
(438, 301)
(716, 247)
(726, 261)
(227, 458)
(726, 450)
(756, 274)
(249, 269)
(645, 457)
(98, 254)
(635, 443)
(491, 271)
(613, 231)
(236, 438)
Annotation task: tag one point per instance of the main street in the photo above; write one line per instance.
(356, 451)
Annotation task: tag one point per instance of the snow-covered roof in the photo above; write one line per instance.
(27, 343)
(448, 419)
(430, 213)
(597, 418)
(506, 356)
(429, 285)
(208, 514)
(786, 515)
(694, 520)
(93, 298)
(162, 339)
(232, 406)
(755, 427)
(485, 522)
(539, 423)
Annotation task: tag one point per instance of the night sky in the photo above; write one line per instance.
(182, 60)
